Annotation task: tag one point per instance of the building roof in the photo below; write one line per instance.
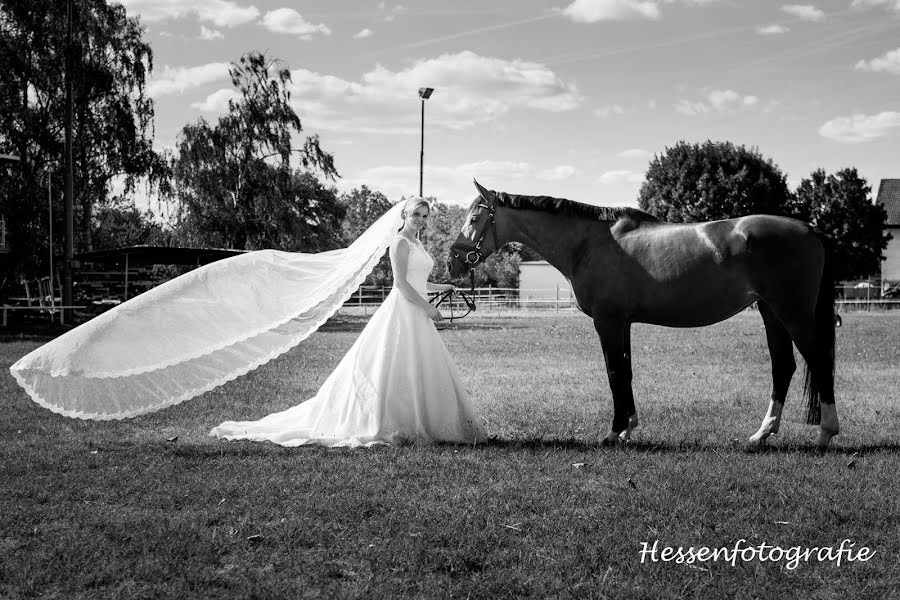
(889, 197)
(157, 255)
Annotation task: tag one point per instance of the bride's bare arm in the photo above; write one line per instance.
(439, 287)
(399, 261)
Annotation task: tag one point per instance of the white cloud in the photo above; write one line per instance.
(686, 107)
(636, 153)
(807, 12)
(469, 89)
(720, 101)
(222, 13)
(621, 176)
(450, 184)
(889, 63)
(210, 34)
(175, 80)
(860, 128)
(723, 100)
(891, 4)
(363, 34)
(591, 11)
(216, 102)
(288, 20)
(607, 111)
(772, 30)
(557, 173)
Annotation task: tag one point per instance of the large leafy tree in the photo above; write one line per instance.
(363, 206)
(112, 126)
(840, 205)
(125, 225)
(713, 180)
(242, 183)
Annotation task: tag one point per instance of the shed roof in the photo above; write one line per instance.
(158, 255)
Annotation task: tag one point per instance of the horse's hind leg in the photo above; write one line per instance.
(781, 350)
(802, 331)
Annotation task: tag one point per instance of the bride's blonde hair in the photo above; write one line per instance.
(411, 205)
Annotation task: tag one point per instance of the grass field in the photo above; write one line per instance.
(115, 510)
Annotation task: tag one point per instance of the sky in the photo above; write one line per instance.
(567, 98)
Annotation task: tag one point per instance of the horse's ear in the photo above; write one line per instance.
(486, 194)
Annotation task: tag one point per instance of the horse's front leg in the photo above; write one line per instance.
(615, 339)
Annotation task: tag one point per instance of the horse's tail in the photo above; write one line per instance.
(820, 368)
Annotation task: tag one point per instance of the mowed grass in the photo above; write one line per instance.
(114, 510)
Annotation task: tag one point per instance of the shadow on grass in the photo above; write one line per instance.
(42, 333)
(244, 448)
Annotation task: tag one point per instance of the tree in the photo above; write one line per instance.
(362, 207)
(710, 181)
(113, 118)
(234, 183)
(839, 205)
(125, 225)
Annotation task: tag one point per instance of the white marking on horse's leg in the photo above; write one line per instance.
(623, 436)
(770, 424)
(828, 426)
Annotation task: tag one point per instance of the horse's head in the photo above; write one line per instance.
(477, 240)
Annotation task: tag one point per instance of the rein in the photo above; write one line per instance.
(469, 299)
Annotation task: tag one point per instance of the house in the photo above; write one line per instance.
(889, 197)
(539, 280)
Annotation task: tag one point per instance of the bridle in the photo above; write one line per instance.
(473, 257)
(473, 254)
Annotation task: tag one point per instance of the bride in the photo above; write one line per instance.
(397, 384)
(198, 331)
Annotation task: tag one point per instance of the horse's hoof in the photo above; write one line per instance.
(755, 444)
(824, 440)
(612, 439)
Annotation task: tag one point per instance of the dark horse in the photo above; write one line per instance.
(626, 266)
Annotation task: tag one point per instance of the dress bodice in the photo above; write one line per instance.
(418, 265)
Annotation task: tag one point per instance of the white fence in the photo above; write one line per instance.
(493, 299)
(487, 299)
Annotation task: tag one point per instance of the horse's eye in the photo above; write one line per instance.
(473, 220)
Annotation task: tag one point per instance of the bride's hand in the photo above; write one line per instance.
(448, 287)
(434, 314)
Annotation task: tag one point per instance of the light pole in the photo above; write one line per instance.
(67, 161)
(424, 94)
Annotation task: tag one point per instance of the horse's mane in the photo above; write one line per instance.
(561, 206)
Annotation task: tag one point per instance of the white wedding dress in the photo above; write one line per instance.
(217, 322)
(397, 384)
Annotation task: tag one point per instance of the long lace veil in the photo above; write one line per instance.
(198, 331)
